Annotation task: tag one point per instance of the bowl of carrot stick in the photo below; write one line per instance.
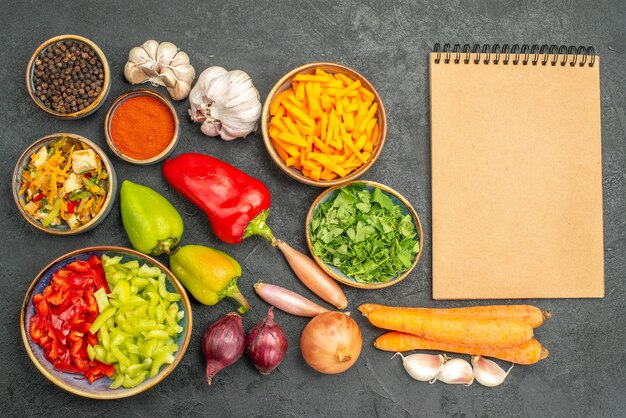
(324, 124)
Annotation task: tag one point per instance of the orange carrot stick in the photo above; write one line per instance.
(527, 313)
(529, 352)
(488, 332)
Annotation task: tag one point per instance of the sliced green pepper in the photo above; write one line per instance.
(54, 212)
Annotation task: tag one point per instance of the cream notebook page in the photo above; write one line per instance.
(516, 178)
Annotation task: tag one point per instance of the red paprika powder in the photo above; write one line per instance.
(142, 127)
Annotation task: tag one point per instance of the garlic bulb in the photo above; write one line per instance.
(487, 372)
(455, 372)
(422, 367)
(161, 64)
(225, 102)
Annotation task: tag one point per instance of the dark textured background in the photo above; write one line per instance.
(388, 42)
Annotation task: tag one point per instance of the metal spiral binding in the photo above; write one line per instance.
(530, 54)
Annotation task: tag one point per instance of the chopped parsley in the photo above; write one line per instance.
(364, 234)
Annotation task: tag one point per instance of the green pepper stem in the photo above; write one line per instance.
(232, 291)
(258, 226)
(165, 246)
(238, 296)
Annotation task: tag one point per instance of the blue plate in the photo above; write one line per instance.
(75, 383)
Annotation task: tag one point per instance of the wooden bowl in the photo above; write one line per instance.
(100, 388)
(64, 229)
(97, 101)
(285, 83)
(109, 117)
(335, 272)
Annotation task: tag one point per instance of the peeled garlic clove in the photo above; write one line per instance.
(455, 372)
(165, 53)
(487, 372)
(422, 367)
(151, 46)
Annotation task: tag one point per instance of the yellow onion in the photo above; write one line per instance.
(331, 342)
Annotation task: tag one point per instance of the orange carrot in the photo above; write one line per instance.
(488, 332)
(529, 352)
(527, 313)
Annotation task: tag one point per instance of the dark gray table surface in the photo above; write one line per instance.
(388, 42)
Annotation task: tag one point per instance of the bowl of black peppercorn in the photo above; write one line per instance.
(68, 77)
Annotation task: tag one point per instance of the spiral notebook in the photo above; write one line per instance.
(516, 172)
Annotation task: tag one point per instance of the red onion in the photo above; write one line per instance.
(266, 344)
(223, 344)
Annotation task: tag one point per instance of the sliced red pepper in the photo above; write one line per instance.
(72, 296)
(71, 206)
(91, 304)
(38, 197)
(99, 277)
(99, 370)
(92, 339)
(66, 367)
(64, 311)
(76, 309)
(41, 308)
(37, 329)
(57, 297)
(81, 364)
(80, 280)
(79, 266)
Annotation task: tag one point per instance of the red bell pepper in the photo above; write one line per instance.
(237, 204)
(64, 311)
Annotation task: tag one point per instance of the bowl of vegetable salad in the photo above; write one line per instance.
(64, 184)
(364, 234)
(105, 322)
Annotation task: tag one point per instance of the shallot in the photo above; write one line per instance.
(266, 344)
(223, 344)
(313, 276)
(288, 301)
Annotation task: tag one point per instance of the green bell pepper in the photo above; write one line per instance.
(153, 225)
(209, 274)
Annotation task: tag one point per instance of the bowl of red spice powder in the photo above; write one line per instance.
(141, 127)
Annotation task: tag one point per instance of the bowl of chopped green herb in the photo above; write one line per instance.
(364, 234)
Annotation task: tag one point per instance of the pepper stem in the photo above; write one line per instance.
(258, 226)
(238, 296)
(165, 246)
(232, 291)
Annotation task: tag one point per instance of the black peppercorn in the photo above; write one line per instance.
(68, 76)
